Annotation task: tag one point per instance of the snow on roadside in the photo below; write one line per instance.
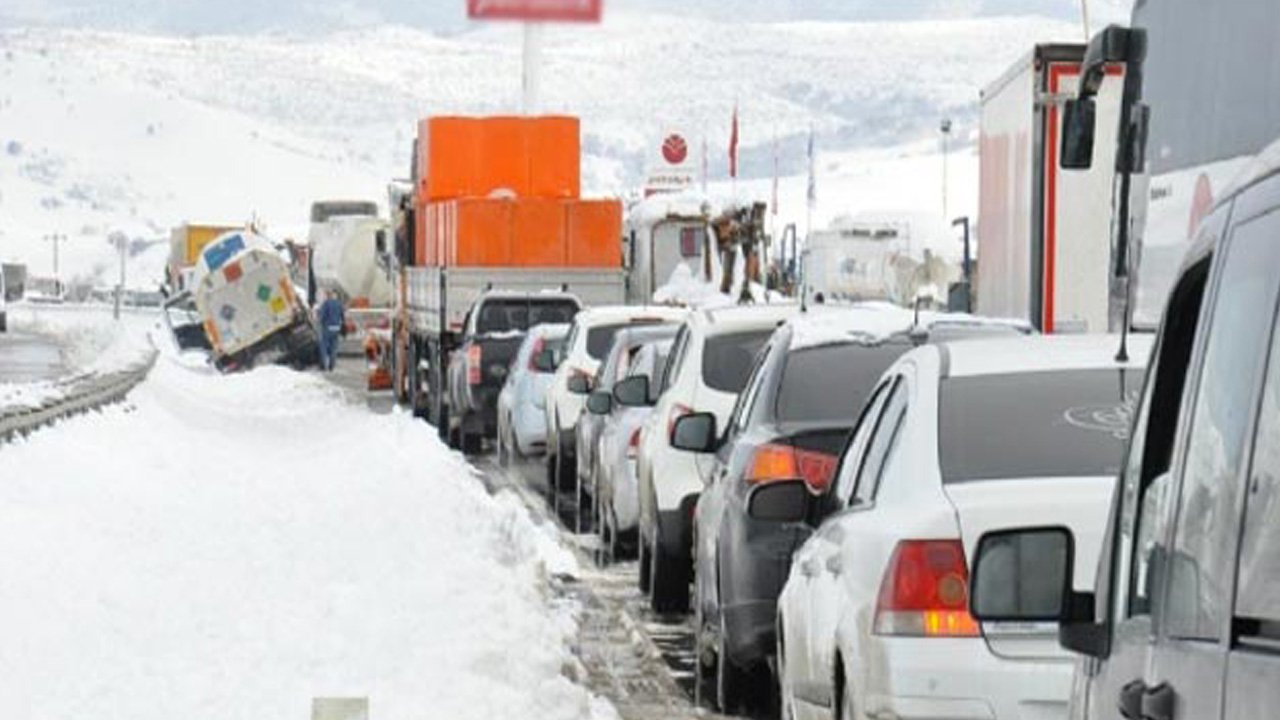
(231, 547)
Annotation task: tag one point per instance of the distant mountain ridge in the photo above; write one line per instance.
(249, 16)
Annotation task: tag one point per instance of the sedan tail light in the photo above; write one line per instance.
(633, 447)
(474, 359)
(925, 591)
(775, 461)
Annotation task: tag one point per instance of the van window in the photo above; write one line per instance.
(1258, 592)
(1238, 330)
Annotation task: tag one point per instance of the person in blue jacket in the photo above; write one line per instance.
(331, 318)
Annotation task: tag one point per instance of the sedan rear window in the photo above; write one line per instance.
(600, 340)
(832, 382)
(1057, 424)
(727, 359)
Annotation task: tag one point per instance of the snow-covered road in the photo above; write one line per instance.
(231, 547)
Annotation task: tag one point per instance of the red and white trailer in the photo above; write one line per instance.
(1044, 236)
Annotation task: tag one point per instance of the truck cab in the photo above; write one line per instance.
(477, 369)
(664, 235)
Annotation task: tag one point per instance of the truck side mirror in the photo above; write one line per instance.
(380, 242)
(1079, 127)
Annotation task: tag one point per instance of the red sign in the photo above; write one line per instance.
(536, 10)
(675, 150)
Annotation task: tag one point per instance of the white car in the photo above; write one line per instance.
(522, 418)
(957, 439)
(709, 364)
(590, 338)
(616, 493)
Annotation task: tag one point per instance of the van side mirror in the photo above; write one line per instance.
(600, 402)
(695, 432)
(578, 384)
(632, 391)
(789, 501)
(1079, 127)
(1022, 575)
(545, 361)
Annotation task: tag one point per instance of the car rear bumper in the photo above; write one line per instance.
(959, 678)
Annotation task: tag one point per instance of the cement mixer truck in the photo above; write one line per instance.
(251, 311)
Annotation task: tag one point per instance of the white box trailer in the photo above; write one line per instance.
(1044, 235)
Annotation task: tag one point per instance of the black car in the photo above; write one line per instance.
(805, 394)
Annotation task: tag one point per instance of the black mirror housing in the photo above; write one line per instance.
(600, 402)
(632, 391)
(1023, 575)
(579, 385)
(1079, 128)
(380, 242)
(695, 432)
(788, 501)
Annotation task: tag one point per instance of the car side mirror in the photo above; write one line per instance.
(545, 361)
(1023, 575)
(1079, 127)
(632, 391)
(788, 501)
(579, 385)
(695, 432)
(600, 402)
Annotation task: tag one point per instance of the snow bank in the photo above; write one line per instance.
(231, 547)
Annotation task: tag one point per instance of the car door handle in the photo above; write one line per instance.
(1158, 702)
(1131, 700)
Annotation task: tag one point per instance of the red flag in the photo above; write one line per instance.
(733, 145)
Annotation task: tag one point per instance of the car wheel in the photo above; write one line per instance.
(731, 682)
(844, 698)
(645, 567)
(668, 578)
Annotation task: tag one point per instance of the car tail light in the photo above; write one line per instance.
(474, 359)
(925, 591)
(775, 461)
(678, 410)
(538, 346)
(633, 447)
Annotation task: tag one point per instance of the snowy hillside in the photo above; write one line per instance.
(105, 131)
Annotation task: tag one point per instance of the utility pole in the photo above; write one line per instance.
(531, 67)
(55, 238)
(946, 134)
(122, 245)
(1084, 16)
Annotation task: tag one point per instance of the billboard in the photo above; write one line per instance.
(588, 11)
(672, 163)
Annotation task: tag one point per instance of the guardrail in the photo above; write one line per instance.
(77, 394)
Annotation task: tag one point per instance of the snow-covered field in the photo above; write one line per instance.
(231, 547)
(103, 132)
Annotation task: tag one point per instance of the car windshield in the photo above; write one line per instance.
(1070, 423)
(831, 382)
(727, 359)
(520, 314)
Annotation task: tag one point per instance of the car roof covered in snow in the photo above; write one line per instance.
(608, 314)
(1042, 353)
(875, 322)
(738, 318)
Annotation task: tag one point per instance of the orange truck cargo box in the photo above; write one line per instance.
(539, 238)
(555, 160)
(478, 232)
(503, 162)
(449, 157)
(594, 233)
